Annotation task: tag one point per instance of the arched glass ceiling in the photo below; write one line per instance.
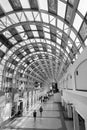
(40, 38)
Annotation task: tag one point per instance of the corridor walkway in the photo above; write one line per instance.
(52, 118)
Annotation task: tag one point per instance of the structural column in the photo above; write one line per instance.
(69, 110)
(31, 97)
(75, 120)
(86, 124)
(27, 99)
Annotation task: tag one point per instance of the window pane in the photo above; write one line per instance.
(25, 3)
(43, 4)
(61, 9)
(6, 5)
(45, 17)
(77, 22)
(82, 7)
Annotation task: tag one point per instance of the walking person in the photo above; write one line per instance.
(41, 110)
(34, 115)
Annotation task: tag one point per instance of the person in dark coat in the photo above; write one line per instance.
(40, 110)
(34, 115)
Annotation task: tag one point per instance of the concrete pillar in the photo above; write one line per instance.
(69, 111)
(27, 99)
(65, 106)
(31, 97)
(86, 124)
(75, 120)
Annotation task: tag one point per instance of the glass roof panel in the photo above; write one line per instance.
(45, 17)
(82, 7)
(3, 48)
(29, 16)
(59, 41)
(21, 16)
(7, 34)
(25, 4)
(77, 42)
(33, 27)
(86, 42)
(83, 31)
(19, 29)
(78, 20)
(46, 29)
(13, 18)
(36, 16)
(81, 49)
(6, 21)
(35, 33)
(47, 35)
(1, 26)
(8, 7)
(72, 35)
(60, 24)
(61, 9)
(52, 20)
(12, 40)
(43, 4)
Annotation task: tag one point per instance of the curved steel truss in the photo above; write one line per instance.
(39, 39)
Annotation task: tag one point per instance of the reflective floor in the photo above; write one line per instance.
(52, 118)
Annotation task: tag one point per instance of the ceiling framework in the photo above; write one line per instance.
(39, 39)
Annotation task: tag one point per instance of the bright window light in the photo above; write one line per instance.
(45, 17)
(3, 48)
(36, 16)
(72, 35)
(77, 22)
(35, 33)
(19, 29)
(67, 49)
(29, 16)
(59, 41)
(77, 42)
(12, 40)
(33, 27)
(6, 21)
(49, 50)
(48, 41)
(47, 35)
(32, 49)
(46, 29)
(82, 7)
(21, 16)
(25, 3)
(52, 20)
(61, 9)
(7, 34)
(60, 24)
(13, 18)
(43, 4)
(6, 5)
(86, 42)
(81, 49)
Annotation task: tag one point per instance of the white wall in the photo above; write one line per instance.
(77, 98)
(81, 78)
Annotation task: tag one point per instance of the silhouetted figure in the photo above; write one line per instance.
(41, 110)
(34, 115)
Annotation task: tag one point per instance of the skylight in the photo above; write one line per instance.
(42, 27)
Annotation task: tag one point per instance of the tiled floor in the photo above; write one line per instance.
(52, 118)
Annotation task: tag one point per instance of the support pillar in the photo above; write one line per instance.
(69, 111)
(31, 97)
(75, 120)
(86, 124)
(27, 99)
